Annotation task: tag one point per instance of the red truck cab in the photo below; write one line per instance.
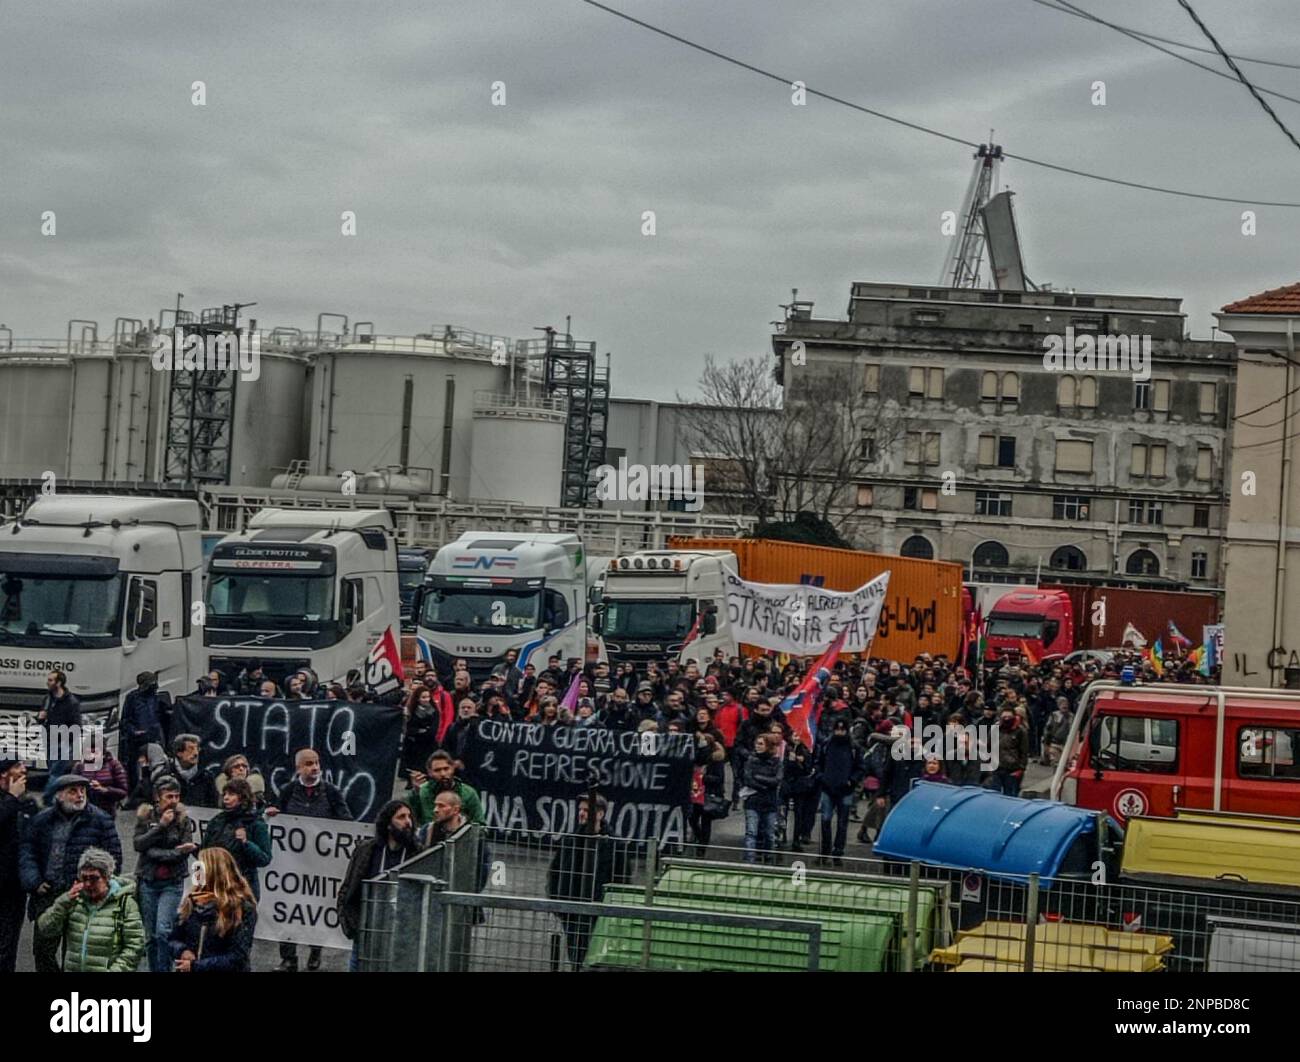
(1042, 620)
(1149, 750)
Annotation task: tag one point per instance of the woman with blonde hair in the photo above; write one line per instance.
(214, 927)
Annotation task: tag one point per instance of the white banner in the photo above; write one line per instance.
(1212, 636)
(300, 887)
(803, 620)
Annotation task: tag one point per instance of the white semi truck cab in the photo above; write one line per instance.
(489, 592)
(302, 588)
(100, 588)
(665, 603)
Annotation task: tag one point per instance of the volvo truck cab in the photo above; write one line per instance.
(302, 589)
(100, 588)
(489, 592)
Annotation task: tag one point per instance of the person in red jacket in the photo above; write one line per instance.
(730, 715)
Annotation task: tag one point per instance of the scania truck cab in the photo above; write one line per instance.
(302, 588)
(661, 603)
(489, 592)
(100, 588)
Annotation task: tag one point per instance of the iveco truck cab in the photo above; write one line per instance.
(302, 588)
(662, 603)
(489, 592)
(100, 588)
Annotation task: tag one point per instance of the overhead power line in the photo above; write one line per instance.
(1072, 9)
(935, 132)
(1164, 40)
(1240, 76)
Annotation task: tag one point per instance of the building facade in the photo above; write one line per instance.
(1261, 614)
(986, 452)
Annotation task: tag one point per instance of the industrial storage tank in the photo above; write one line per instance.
(517, 448)
(35, 390)
(401, 402)
(114, 415)
(270, 426)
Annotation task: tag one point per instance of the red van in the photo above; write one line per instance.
(1150, 749)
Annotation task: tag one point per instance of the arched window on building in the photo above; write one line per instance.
(918, 546)
(1068, 558)
(991, 555)
(1143, 562)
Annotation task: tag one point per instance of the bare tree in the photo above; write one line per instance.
(803, 449)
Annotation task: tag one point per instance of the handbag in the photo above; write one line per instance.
(716, 807)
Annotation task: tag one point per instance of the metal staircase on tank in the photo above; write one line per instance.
(573, 376)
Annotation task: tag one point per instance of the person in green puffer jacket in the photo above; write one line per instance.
(97, 919)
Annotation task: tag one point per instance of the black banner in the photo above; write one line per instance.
(530, 777)
(358, 743)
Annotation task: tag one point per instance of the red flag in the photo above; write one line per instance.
(384, 665)
(803, 707)
(1029, 654)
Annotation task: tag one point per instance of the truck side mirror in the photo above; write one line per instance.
(348, 609)
(598, 619)
(141, 609)
(417, 604)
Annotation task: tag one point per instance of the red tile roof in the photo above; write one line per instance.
(1277, 300)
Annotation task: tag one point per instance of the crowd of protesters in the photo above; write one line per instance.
(60, 865)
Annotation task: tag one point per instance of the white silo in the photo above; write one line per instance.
(517, 450)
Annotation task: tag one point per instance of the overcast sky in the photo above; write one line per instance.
(502, 218)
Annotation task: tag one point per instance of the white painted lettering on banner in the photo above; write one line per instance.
(803, 620)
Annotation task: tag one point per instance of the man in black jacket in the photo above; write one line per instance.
(840, 771)
(198, 787)
(15, 809)
(61, 709)
(583, 864)
(394, 842)
(311, 795)
(144, 722)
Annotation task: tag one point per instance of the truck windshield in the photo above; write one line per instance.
(1015, 626)
(409, 579)
(481, 609)
(661, 620)
(58, 610)
(256, 600)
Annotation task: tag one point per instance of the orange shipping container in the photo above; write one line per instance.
(922, 610)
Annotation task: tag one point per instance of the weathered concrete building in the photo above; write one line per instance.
(1262, 556)
(982, 452)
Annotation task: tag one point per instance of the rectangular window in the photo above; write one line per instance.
(1200, 564)
(867, 446)
(1007, 451)
(1138, 465)
(988, 450)
(992, 503)
(1067, 392)
(871, 379)
(1157, 466)
(1137, 743)
(1201, 516)
(1209, 399)
(916, 381)
(1088, 393)
(1071, 507)
(921, 448)
(920, 498)
(1142, 394)
(1010, 387)
(1161, 396)
(1268, 753)
(866, 495)
(1204, 463)
(934, 383)
(989, 387)
(1141, 511)
(1074, 455)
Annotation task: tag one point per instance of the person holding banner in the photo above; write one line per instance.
(214, 929)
